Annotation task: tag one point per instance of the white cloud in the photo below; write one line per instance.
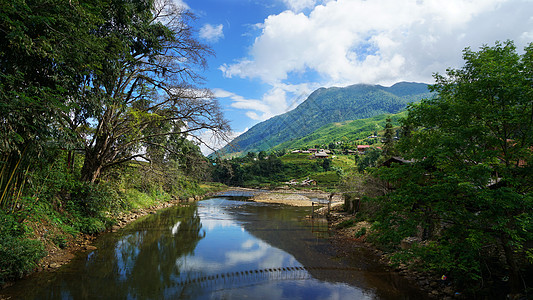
(299, 5)
(379, 41)
(212, 33)
(279, 99)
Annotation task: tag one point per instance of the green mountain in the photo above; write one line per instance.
(325, 106)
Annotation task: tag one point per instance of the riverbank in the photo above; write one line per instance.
(348, 233)
(62, 252)
(57, 256)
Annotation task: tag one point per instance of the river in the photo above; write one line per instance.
(219, 248)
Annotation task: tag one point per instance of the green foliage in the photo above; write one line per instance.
(10, 226)
(60, 240)
(90, 200)
(360, 232)
(85, 87)
(145, 88)
(328, 179)
(274, 171)
(369, 159)
(326, 164)
(18, 256)
(343, 135)
(345, 224)
(442, 258)
(388, 139)
(468, 193)
(45, 53)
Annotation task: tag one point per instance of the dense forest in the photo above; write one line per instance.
(100, 106)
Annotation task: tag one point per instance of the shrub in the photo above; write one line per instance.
(345, 224)
(360, 232)
(91, 200)
(59, 240)
(90, 225)
(18, 256)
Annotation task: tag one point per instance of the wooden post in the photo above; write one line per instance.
(329, 202)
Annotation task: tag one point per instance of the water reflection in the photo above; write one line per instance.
(217, 249)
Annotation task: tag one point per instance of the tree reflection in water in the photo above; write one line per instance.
(217, 249)
(138, 262)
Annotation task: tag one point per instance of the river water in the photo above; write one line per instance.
(220, 248)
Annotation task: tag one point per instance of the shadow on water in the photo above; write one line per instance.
(307, 240)
(217, 249)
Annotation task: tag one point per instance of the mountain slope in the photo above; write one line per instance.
(342, 131)
(325, 106)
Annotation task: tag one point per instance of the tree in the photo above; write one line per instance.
(262, 155)
(469, 187)
(369, 159)
(44, 55)
(388, 143)
(326, 164)
(145, 81)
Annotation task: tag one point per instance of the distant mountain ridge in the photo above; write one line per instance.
(325, 106)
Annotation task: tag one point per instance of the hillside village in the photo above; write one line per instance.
(326, 153)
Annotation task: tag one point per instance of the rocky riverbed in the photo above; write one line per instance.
(288, 196)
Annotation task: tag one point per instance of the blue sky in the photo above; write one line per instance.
(271, 54)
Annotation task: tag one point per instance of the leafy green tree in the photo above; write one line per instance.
(146, 80)
(45, 53)
(388, 142)
(326, 164)
(369, 159)
(262, 155)
(250, 156)
(38, 63)
(469, 188)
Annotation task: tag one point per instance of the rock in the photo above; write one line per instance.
(54, 265)
(423, 282)
(408, 241)
(448, 290)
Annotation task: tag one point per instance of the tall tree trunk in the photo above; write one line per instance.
(95, 156)
(92, 166)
